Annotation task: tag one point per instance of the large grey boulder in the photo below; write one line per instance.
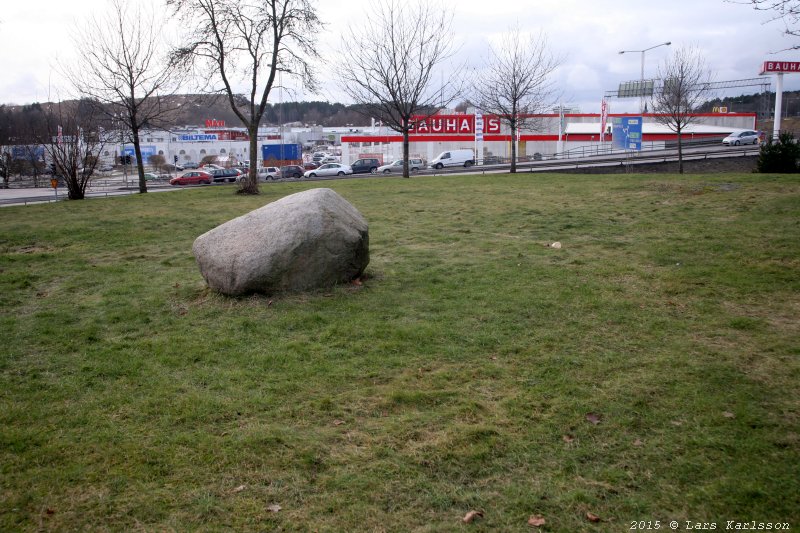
(303, 241)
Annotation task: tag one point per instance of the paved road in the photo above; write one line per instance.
(115, 185)
(31, 195)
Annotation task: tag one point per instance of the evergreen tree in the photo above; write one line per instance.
(779, 156)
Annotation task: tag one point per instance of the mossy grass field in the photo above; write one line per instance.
(645, 371)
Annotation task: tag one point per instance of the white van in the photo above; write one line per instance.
(453, 158)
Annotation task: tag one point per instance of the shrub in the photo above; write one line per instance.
(781, 156)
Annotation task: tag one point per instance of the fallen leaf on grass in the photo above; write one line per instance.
(274, 508)
(591, 517)
(638, 442)
(338, 422)
(676, 423)
(357, 282)
(472, 515)
(567, 438)
(49, 511)
(728, 414)
(594, 418)
(240, 488)
(269, 303)
(536, 520)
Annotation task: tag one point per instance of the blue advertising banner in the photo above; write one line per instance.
(28, 152)
(626, 133)
(147, 151)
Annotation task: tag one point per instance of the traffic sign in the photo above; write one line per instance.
(626, 133)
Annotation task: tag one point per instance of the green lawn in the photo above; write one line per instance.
(647, 370)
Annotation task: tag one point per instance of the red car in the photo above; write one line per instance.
(310, 165)
(194, 177)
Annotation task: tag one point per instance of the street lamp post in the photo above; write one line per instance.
(641, 76)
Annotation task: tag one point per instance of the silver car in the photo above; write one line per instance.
(268, 173)
(329, 169)
(742, 137)
(397, 166)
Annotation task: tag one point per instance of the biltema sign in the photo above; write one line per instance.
(200, 137)
(780, 66)
(453, 125)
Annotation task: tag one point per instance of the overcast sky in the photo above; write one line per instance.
(35, 37)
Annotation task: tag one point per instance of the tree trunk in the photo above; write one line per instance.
(680, 152)
(137, 150)
(74, 189)
(514, 127)
(250, 185)
(406, 173)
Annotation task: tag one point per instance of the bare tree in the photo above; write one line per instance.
(123, 68)
(251, 43)
(74, 143)
(5, 146)
(516, 84)
(393, 61)
(685, 85)
(157, 161)
(5, 166)
(32, 155)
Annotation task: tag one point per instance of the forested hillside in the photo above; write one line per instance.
(196, 109)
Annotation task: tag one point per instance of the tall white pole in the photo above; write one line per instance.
(776, 128)
(641, 86)
(560, 145)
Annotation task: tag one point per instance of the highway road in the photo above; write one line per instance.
(115, 184)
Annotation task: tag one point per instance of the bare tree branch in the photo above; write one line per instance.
(239, 42)
(516, 83)
(73, 141)
(391, 62)
(685, 85)
(786, 11)
(122, 68)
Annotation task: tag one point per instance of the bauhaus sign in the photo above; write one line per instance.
(453, 125)
(780, 66)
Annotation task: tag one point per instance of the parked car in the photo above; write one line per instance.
(310, 165)
(195, 177)
(268, 173)
(169, 167)
(292, 171)
(189, 164)
(105, 168)
(149, 176)
(397, 166)
(453, 158)
(224, 174)
(329, 169)
(362, 166)
(742, 137)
